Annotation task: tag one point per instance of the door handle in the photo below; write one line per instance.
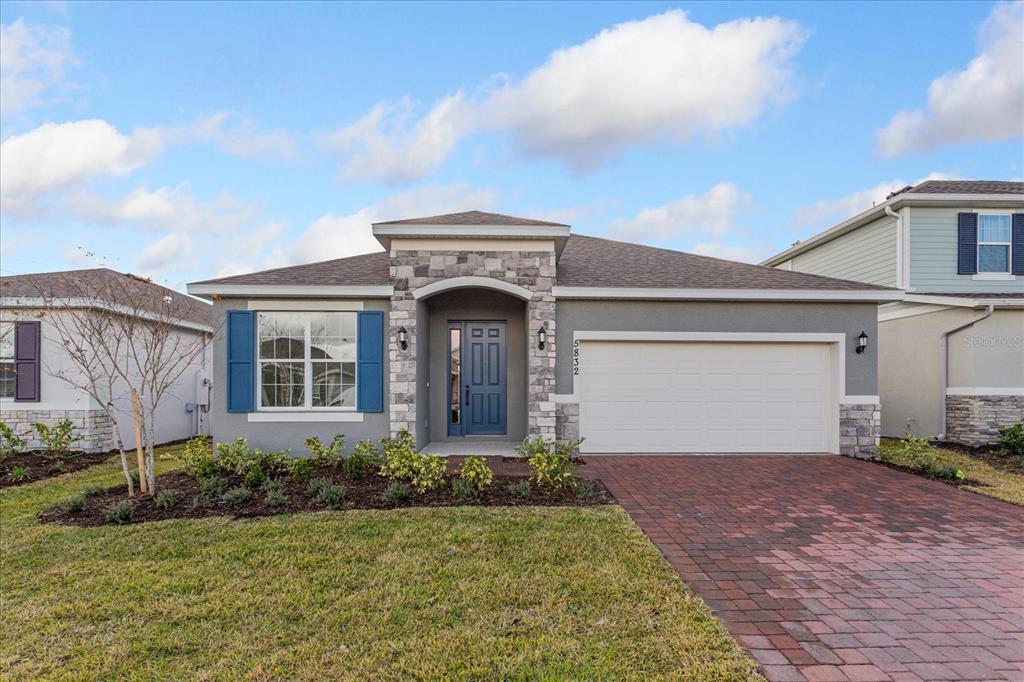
(467, 394)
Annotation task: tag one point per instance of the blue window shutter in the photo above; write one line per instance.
(967, 244)
(370, 358)
(241, 357)
(1018, 244)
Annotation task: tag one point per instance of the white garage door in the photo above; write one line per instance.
(665, 397)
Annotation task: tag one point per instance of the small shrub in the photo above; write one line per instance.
(119, 513)
(18, 474)
(395, 493)
(326, 455)
(166, 499)
(232, 455)
(74, 505)
(316, 484)
(361, 462)
(519, 490)
(399, 456)
(475, 471)
(10, 442)
(1013, 440)
(57, 439)
(331, 494)
(532, 446)
(583, 490)
(911, 451)
(301, 469)
(946, 472)
(464, 489)
(428, 472)
(92, 491)
(273, 489)
(236, 496)
(552, 469)
(212, 487)
(197, 458)
(254, 465)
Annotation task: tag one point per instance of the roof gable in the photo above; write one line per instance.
(471, 218)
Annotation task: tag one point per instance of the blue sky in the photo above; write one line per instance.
(186, 141)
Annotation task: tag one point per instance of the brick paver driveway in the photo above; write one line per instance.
(827, 568)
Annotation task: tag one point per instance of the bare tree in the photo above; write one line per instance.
(126, 338)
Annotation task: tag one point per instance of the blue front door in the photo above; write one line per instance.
(483, 396)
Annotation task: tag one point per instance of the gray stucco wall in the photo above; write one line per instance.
(467, 305)
(723, 316)
(284, 435)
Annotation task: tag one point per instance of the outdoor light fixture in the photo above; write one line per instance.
(542, 337)
(862, 342)
(404, 342)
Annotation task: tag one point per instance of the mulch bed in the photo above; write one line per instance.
(993, 455)
(40, 466)
(363, 494)
(956, 483)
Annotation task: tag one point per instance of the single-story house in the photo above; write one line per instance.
(479, 327)
(41, 316)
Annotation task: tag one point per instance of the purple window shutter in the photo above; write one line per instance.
(967, 244)
(1018, 244)
(26, 361)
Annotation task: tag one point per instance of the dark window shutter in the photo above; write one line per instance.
(967, 244)
(27, 345)
(1017, 249)
(241, 357)
(370, 360)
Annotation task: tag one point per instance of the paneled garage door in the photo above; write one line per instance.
(690, 397)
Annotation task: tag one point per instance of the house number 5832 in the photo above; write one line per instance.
(575, 358)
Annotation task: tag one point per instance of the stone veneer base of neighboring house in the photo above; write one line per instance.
(976, 420)
(93, 426)
(532, 270)
(860, 427)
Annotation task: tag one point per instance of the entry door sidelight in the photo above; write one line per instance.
(477, 379)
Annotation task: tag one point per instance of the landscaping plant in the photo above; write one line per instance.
(57, 439)
(92, 491)
(552, 468)
(236, 496)
(326, 455)
(395, 493)
(363, 459)
(475, 471)
(74, 505)
(197, 458)
(583, 490)
(399, 456)
(18, 474)
(301, 469)
(428, 472)
(273, 490)
(331, 495)
(519, 490)
(1012, 439)
(166, 499)
(119, 513)
(464, 489)
(10, 442)
(212, 487)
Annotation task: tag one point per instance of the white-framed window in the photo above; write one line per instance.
(7, 367)
(994, 241)
(307, 360)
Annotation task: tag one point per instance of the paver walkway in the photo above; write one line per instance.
(828, 568)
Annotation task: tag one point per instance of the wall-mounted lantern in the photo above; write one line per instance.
(403, 338)
(862, 342)
(542, 337)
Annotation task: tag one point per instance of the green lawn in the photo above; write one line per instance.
(463, 593)
(1002, 485)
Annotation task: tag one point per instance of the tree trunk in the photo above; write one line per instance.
(124, 455)
(137, 418)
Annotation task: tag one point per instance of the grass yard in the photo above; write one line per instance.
(1002, 485)
(460, 593)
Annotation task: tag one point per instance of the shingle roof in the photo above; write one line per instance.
(594, 262)
(586, 261)
(471, 218)
(967, 187)
(961, 294)
(106, 284)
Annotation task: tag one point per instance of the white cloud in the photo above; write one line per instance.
(244, 139)
(57, 156)
(982, 103)
(712, 213)
(745, 253)
(33, 61)
(167, 208)
(11, 245)
(663, 78)
(336, 236)
(836, 210)
(384, 145)
(162, 253)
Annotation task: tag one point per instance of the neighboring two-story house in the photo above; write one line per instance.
(951, 354)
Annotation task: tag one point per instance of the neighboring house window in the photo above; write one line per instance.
(307, 360)
(994, 239)
(7, 367)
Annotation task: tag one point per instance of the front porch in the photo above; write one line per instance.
(469, 446)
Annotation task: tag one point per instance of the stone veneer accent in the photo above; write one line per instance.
(975, 420)
(533, 270)
(860, 427)
(567, 421)
(92, 425)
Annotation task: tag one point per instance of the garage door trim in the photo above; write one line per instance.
(836, 344)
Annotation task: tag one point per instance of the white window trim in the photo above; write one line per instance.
(994, 275)
(308, 375)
